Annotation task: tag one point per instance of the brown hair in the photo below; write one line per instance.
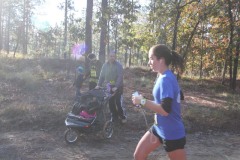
(171, 57)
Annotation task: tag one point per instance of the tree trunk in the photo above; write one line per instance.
(190, 39)
(108, 37)
(7, 30)
(1, 37)
(130, 57)
(65, 29)
(230, 45)
(132, 43)
(116, 39)
(236, 61)
(103, 40)
(174, 41)
(25, 22)
(88, 32)
(126, 56)
(225, 67)
(202, 52)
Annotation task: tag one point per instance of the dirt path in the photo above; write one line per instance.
(32, 145)
(45, 142)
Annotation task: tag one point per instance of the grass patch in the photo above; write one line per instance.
(223, 115)
(25, 80)
(26, 116)
(204, 119)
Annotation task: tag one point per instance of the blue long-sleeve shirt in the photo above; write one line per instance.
(113, 73)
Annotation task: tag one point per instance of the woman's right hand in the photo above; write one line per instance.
(97, 87)
(136, 99)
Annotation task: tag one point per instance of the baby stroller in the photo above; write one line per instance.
(90, 115)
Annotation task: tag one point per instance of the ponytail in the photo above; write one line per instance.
(177, 62)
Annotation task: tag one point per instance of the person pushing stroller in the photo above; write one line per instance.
(112, 73)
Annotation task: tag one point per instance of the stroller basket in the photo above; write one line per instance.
(76, 121)
(80, 118)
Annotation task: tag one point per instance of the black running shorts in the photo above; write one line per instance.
(169, 145)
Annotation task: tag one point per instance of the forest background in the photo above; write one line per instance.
(205, 33)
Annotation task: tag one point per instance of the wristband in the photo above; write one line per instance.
(143, 101)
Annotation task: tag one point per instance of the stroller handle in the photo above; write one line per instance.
(108, 94)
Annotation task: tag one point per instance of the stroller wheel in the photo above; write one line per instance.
(71, 135)
(108, 129)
